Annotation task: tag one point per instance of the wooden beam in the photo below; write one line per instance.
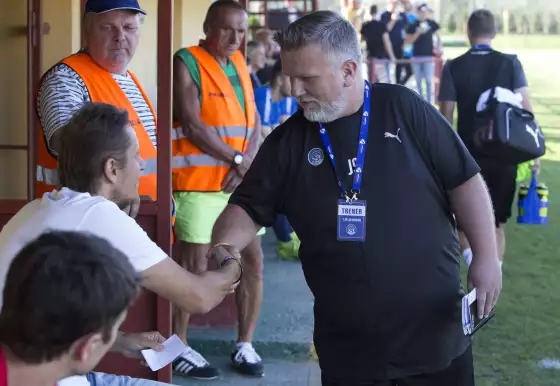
(164, 123)
(34, 72)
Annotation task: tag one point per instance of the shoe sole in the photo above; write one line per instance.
(239, 371)
(197, 378)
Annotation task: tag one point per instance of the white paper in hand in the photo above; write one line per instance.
(172, 348)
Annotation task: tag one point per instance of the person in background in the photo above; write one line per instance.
(281, 18)
(388, 294)
(378, 44)
(256, 61)
(98, 73)
(215, 138)
(356, 14)
(264, 35)
(65, 295)
(275, 105)
(99, 167)
(404, 70)
(395, 21)
(421, 34)
(464, 80)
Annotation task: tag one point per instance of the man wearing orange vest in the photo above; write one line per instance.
(215, 138)
(98, 73)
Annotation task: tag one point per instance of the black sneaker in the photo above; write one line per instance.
(193, 365)
(246, 360)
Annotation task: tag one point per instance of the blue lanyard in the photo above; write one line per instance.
(481, 47)
(360, 157)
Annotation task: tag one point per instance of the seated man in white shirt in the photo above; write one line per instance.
(99, 169)
(52, 324)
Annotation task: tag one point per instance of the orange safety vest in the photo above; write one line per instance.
(102, 87)
(194, 170)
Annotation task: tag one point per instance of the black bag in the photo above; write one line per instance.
(507, 133)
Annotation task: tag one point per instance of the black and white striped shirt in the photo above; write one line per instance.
(63, 92)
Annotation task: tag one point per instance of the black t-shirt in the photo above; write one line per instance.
(396, 33)
(424, 45)
(466, 77)
(372, 32)
(390, 306)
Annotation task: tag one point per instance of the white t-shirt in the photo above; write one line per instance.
(73, 211)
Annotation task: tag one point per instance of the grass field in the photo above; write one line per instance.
(526, 328)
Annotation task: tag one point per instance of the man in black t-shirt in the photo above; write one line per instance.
(396, 21)
(378, 44)
(382, 257)
(463, 81)
(421, 34)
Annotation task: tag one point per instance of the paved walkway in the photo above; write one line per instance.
(286, 319)
(277, 373)
(284, 331)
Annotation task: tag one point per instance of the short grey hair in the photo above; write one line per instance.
(334, 34)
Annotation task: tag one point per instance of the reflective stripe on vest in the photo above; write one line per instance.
(102, 87)
(193, 170)
(223, 132)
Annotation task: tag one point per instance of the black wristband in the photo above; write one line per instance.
(226, 259)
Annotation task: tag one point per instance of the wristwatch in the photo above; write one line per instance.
(238, 158)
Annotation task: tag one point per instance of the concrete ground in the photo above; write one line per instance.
(277, 373)
(284, 330)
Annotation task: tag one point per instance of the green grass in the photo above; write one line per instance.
(526, 328)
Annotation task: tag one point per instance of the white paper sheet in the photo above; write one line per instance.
(173, 347)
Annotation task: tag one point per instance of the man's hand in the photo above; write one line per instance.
(130, 345)
(133, 206)
(245, 164)
(231, 180)
(486, 276)
(536, 166)
(219, 253)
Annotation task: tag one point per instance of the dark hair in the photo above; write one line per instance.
(251, 46)
(330, 31)
(215, 7)
(96, 133)
(481, 23)
(61, 287)
(373, 10)
(275, 72)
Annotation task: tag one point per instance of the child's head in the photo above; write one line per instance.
(65, 296)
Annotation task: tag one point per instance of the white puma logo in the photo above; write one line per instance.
(534, 134)
(394, 136)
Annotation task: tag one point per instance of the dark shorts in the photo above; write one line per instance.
(459, 373)
(500, 180)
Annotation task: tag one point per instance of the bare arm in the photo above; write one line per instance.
(187, 107)
(255, 139)
(473, 209)
(526, 103)
(447, 109)
(388, 46)
(192, 293)
(438, 41)
(391, 23)
(411, 38)
(234, 227)
(472, 206)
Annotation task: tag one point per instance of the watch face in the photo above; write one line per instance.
(238, 159)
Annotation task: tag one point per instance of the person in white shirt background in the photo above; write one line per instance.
(99, 169)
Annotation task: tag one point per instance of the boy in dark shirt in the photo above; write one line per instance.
(378, 44)
(421, 34)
